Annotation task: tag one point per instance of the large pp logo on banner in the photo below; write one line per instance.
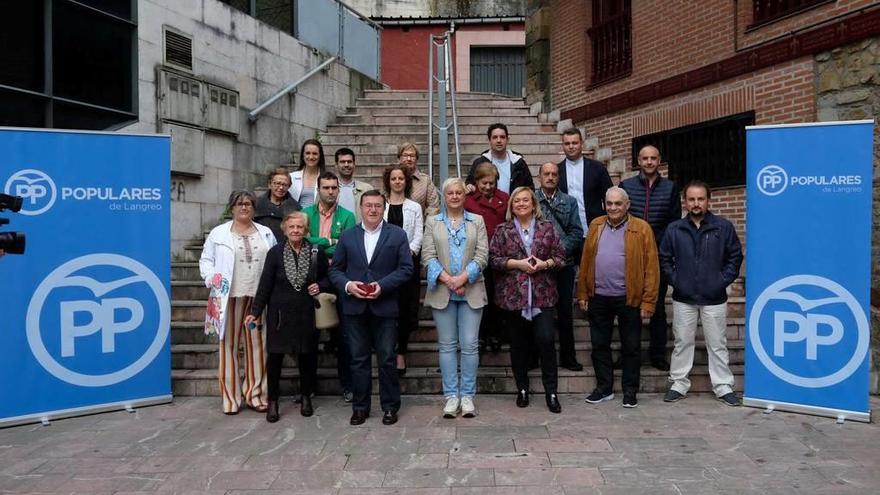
(35, 187)
(93, 305)
(772, 180)
(809, 316)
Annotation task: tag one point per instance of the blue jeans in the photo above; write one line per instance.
(366, 332)
(458, 325)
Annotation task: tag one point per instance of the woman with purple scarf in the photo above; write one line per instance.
(525, 253)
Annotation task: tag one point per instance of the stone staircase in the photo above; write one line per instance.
(373, 129)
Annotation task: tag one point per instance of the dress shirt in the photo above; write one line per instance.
(371, 238)
(574, 172)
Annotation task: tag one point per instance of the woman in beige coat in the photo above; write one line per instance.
(455, 251)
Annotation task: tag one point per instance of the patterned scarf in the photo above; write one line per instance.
(296, 266)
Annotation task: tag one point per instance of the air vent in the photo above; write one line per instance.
(178, 49)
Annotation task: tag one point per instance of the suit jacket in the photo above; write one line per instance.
(436, 246)
(391, 267)
(596, 182)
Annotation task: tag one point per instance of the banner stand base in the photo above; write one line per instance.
(838, 414)
(47, 416)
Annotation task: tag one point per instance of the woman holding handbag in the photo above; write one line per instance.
(294, 275)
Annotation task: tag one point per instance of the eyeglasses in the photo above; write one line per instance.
(247, 204)
(276, 183)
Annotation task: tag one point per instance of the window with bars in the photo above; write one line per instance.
(765, 11)
(611, 40)
(713, 151)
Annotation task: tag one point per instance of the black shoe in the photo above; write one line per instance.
(347, 396)
(272, 411)
(401, 371)
(522, 398)
(389, 418)
(358, 417)
(629, 400)
(672, 396)
(571, 365)
(306, 407)
(553, 404)
(660, 363)
(617, 364)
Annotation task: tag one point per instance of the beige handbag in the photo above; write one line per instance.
(325, 311)
(326, 316)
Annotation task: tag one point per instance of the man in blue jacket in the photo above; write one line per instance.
(700, 256)
(372, 261)
(562, 210)
(655, 200)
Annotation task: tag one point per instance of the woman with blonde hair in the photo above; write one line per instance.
(525, 253)
(454, 253)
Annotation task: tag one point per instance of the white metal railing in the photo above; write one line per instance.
(254, 114)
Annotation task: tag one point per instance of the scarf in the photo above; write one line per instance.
(296, 266)
(527, 235)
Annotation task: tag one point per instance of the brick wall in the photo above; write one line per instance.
(784, 94)
(666, 40)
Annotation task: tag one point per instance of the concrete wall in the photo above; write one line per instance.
(236, 51)
(438, 8)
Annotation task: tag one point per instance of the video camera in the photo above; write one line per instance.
(11, 242)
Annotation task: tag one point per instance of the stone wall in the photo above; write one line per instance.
(538, 55)
(238, 52)
(848, 84)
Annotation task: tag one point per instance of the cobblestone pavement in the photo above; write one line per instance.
(695, 446)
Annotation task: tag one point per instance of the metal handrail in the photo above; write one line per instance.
(442, 80)
(255, 112)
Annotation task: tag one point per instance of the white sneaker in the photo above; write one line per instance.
(468, 410)
(450, 410)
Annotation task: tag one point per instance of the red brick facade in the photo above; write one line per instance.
(671, 38)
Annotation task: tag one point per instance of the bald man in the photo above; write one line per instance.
(655, 200)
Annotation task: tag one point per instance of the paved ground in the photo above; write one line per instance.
(695, 446)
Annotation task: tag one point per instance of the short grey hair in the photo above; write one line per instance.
(453, 181)
(296, 214)
(618, 190)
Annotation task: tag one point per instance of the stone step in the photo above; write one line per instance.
(192, 331)
(416, 94)
(422, 104)
(469, 151)
(486, 114)
(419, 137)
(514, 129)
(422, 118)
(203, 382)
(426, 354)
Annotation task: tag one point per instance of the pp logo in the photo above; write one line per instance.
(37, 189)
(808, 328)
(772, 180)
(83, 309)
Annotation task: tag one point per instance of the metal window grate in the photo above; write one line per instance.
(610, 40)
(713, 151)
(769, 10)
(178, 50)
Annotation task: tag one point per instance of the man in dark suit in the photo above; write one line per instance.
(584, 179)
(371, 262)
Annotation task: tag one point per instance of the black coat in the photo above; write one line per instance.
(290, 319)
(268, 214)
(596, 182)
(700, 263)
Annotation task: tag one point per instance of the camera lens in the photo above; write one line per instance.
(12, 242)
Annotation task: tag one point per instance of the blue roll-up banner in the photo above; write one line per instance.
(84, 312)
(808, 268)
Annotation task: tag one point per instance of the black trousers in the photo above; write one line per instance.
(339, 341)
(493, 316)
(524, 335)
(658, 327)
(408, 307)
(308, 373)
(601, 312)
(565, 285)
(368, 332)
